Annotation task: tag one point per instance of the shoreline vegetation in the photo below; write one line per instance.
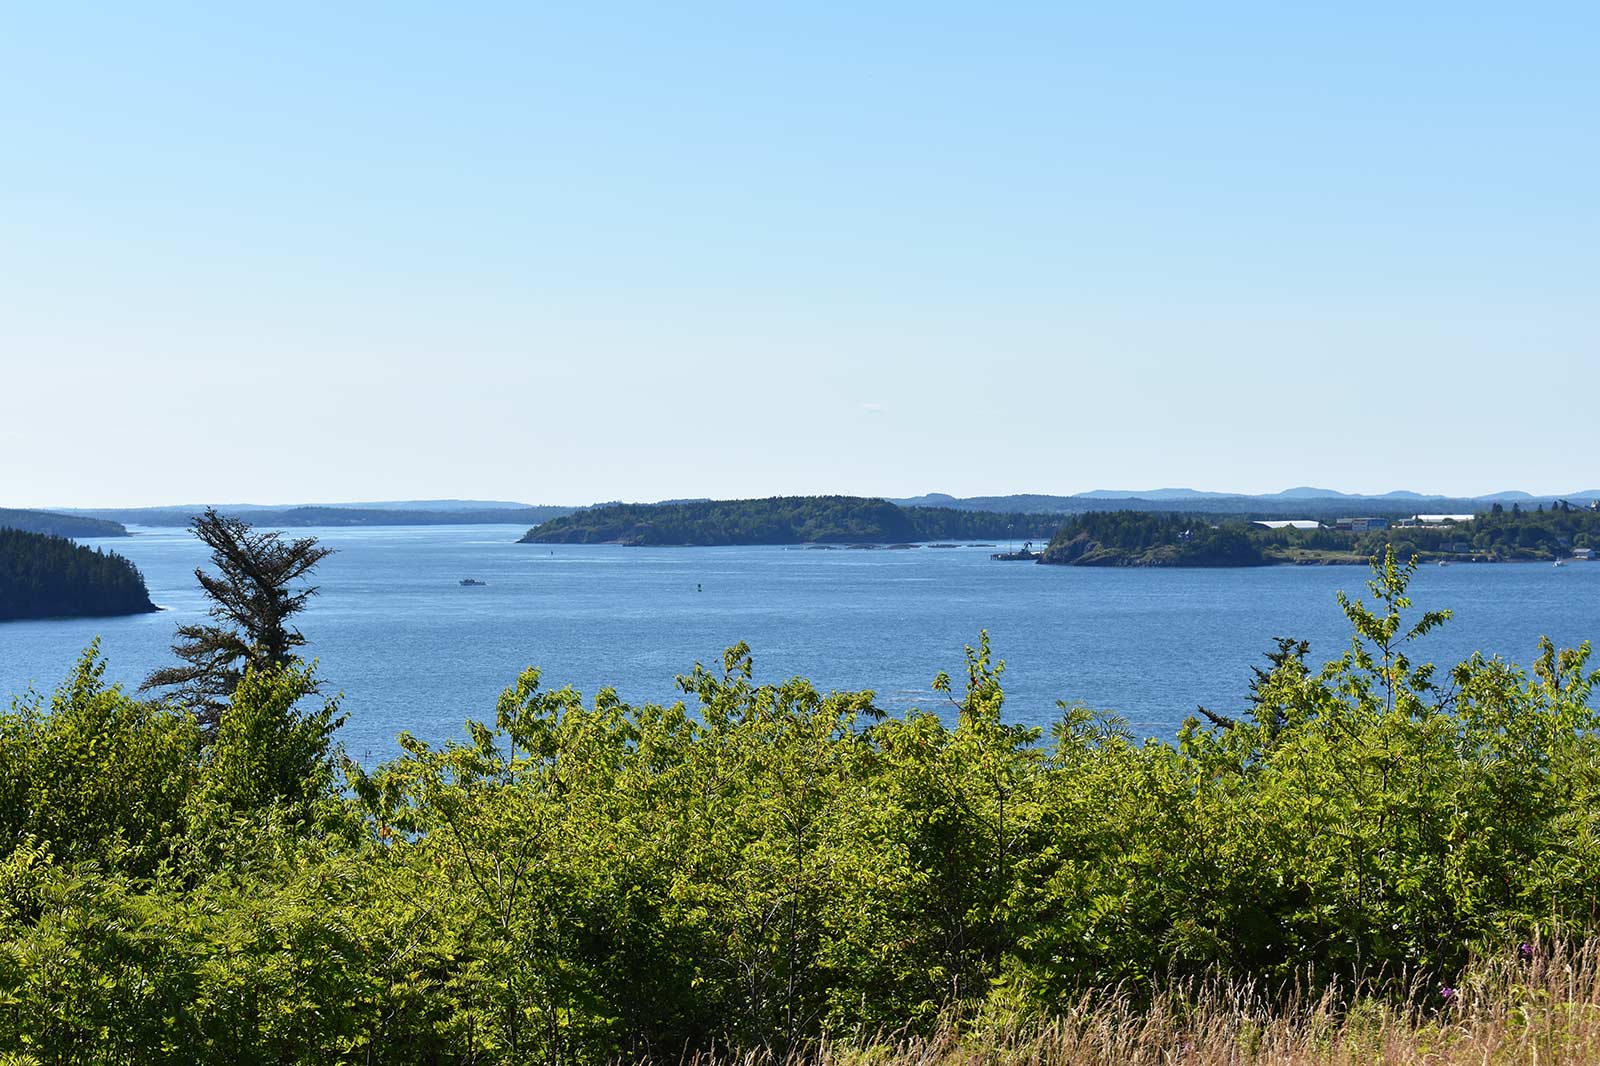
(47, 576)
(1122, 538)
(1369, 860)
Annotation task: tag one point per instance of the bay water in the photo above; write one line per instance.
(411, 648)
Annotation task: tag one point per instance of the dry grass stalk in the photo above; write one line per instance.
(1538, 1005)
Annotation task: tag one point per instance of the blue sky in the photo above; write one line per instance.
(563, 253)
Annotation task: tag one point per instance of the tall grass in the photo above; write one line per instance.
(1536, 1005)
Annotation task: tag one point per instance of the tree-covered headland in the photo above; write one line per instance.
(1139, 538)
(1528, 533)
(762, 866)
(782, 520)
(46, 576)
(59, 525)
(1142, 538)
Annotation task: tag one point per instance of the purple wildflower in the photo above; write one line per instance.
(1525, 951)
(1447, 993)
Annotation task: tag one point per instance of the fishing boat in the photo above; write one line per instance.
(471, 581)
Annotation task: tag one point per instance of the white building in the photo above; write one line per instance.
(1439, 519)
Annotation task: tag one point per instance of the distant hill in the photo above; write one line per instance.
(1147, 494)
(60, 525)
(1029, 502)
(45, 576)
(783, 520)
(1300, 502)
(355, 515)
(353, 505)
(1306, 492)
(417, 505)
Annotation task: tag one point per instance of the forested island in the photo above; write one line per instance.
(45, 576)
(60, 525)
(1139, 538)
(782, 520)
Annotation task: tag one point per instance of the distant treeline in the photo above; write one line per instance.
(1138, 538)
(1516, 533)
(43, 576)
(302, 517)
(781, 520)
(1500, 534)
(1322, 508)
(947, 523)
(60, 525)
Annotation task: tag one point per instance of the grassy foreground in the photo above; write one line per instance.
(1538, 1005)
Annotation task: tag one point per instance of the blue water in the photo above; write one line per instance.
(410, 648)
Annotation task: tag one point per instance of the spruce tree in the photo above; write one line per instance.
(252, 600)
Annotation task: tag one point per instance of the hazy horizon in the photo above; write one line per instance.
(639, 253)
(1133, 493)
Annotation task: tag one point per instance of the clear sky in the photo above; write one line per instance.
(571, 252)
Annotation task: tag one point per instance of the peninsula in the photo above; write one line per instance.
(45, 576)
(59, 525)
(1499, 534)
